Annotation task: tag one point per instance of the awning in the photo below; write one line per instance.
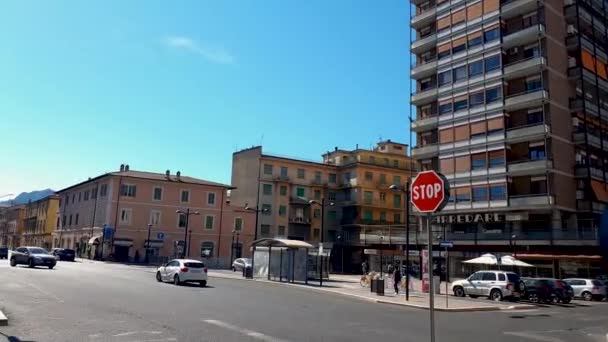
(286, 243)
(558, 257)
(601, 193)
(94, 240)
(123, 242)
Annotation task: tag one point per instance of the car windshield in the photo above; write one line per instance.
(38, 251)
(194, 264)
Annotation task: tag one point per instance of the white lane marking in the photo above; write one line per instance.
(152, 332)
(126, 333)
(535, 336)
(159, 340)
(246, 332)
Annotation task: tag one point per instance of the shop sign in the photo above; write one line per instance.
(470, 218)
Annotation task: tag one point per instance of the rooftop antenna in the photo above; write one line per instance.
(261, 139)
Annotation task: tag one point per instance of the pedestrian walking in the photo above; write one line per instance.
(396, 279)
(390, 269)
(364, 267)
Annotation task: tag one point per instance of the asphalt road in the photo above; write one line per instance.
(111, 302)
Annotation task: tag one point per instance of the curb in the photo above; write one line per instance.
(3, 319)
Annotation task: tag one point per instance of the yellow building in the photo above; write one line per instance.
(40, 221)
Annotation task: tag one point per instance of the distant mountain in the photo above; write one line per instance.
(25, 197)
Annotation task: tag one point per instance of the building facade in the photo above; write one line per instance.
(510, 103)
(113, 214)
(11, 226)
(353, 185)
(41, 218)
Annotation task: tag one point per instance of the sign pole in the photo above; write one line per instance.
(447, 272)
(430, 267)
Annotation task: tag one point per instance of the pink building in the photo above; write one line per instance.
(128, 205)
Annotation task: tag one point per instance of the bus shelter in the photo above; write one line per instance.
(281, 259)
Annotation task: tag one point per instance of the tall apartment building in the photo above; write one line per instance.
(511, 102)
(110, 214)
(40, 221)
(355, 181)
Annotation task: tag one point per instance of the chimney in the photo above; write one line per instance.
(127, 167)
(168, 174)
(357, 147)
(336, 148)
(122, 167)
(178, 174)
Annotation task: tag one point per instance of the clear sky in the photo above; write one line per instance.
(88, 85)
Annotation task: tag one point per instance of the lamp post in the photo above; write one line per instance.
(341, 239)
(255, 231)
(148, 244)
(233, 245)
(187, 213)
(406, 219)
(322, 204)
(513, 241)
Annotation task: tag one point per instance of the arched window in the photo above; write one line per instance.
(207, 249)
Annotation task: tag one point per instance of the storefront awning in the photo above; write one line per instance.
(285, 243)
(94, 240)
(557, 257)
(600, 191)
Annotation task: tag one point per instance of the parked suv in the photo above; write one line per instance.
(547, 290)
(32, 256)
(588, 289)
(495, 285)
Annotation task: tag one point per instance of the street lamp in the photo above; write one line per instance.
(512, 241)
(234, 246)
(255, 232)
(187, 213)
(406, 191)
(323, 204)
(148, 244)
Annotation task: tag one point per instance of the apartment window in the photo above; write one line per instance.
(266, 209)
(397, 201)
(265, 230)
(155, 217)
(480, 194)
(103, 190)
(300, 192)
(70, 224)
(531, 51)
(369, 176)
(332, 195)
(282, 210)
(397, 218)
(125, 215)
(395, 163)
(397, 180)
(94, 193)
(331, 215)
(157, 193)
(267, 189)
(73, 198)
(533, 83)
(86, 195)
(445, 108)
(382, 179)
(459, 48)
(460, 105)
(497, 159)
(478, 161)
(425, 84)
(367, 197)
(476, 99)
(534, 116)
(463, 195)
(382, 197)
(383, 216)
(474, 41)
(211, 198)
(332, 178)
(491, 35)
(317, 177)
(476, 68)
(444, 53)
(63, 222)
(181, 220)
(76, 220)
(346, 177)
(301, 173)
(460, 73)
(316, 213)
(128, 190)
(209, 222)
(267, 169)
(283, 190)
(368, 215)
(281, 231)
(386, 161)
(347, 195)
(493, 94)
(284, 171)
(315, 233)
(444, 77)
(492, 63)
(317, 194)
(185, 196)
(498, 192)
(238, 224)
(538, 185)
(537, 152)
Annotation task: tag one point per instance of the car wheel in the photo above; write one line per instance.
(30, 263)
(233, 269)
(566, 300)
(203, 283)
(158, 277)
(13, 262)
(533, 298)
(587, 296)
(458, 291)
(176, 280)
(496, 295)
(51, 267)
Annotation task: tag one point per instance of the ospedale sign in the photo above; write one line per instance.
(470, 218)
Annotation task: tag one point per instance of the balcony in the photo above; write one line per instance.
(525, 67)
(513, 8)
(524, 133)
(529, 167)
(424, 18)
(299, 220)
(592, 140)
(531, 200)
(281, 178)
(425, 151)
(595, 172)
(424, 97)
(424, 44)
(425, 69)
(524, 36)
(424, 124)
(532, 98)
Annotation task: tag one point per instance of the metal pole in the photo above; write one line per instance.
(185, 233)
(257, 211)
(322, 236)
(232, 250)
(447, 272)
(238, 246)
(148, 245)
(430, 266)
(407, 240)
(189, 243)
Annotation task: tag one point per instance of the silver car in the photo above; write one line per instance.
(181, 271)
(588, 289)
(495, 285)
(240, 263)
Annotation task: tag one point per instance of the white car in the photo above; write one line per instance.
(181, 271)
(495, 285)
(240, 263)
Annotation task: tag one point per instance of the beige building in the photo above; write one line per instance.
(355, 186)
(124, 203)
(11, 226)
(41, 218)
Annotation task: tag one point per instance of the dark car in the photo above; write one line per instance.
(3, 253)
(32, 256)
(547, 290)
(64, 254)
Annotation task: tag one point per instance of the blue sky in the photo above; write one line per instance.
(86, 86)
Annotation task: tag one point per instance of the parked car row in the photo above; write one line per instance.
(37, 256)
(499, 285)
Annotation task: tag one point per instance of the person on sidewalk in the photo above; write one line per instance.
(364, 267)
(396, 279)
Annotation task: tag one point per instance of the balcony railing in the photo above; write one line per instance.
(424, 17)
(525, 99)
(524, 67)
(525, 200)
(513, 8)
(425, 69)
(529, 167)
(424, 43)
(581, 171)
(427, 150)
(523, 36)
(299, 220)
(425, 123)
(523, 133)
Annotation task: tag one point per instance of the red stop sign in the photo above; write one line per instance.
(429, 191)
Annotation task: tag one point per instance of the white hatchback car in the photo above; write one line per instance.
(181, 271)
